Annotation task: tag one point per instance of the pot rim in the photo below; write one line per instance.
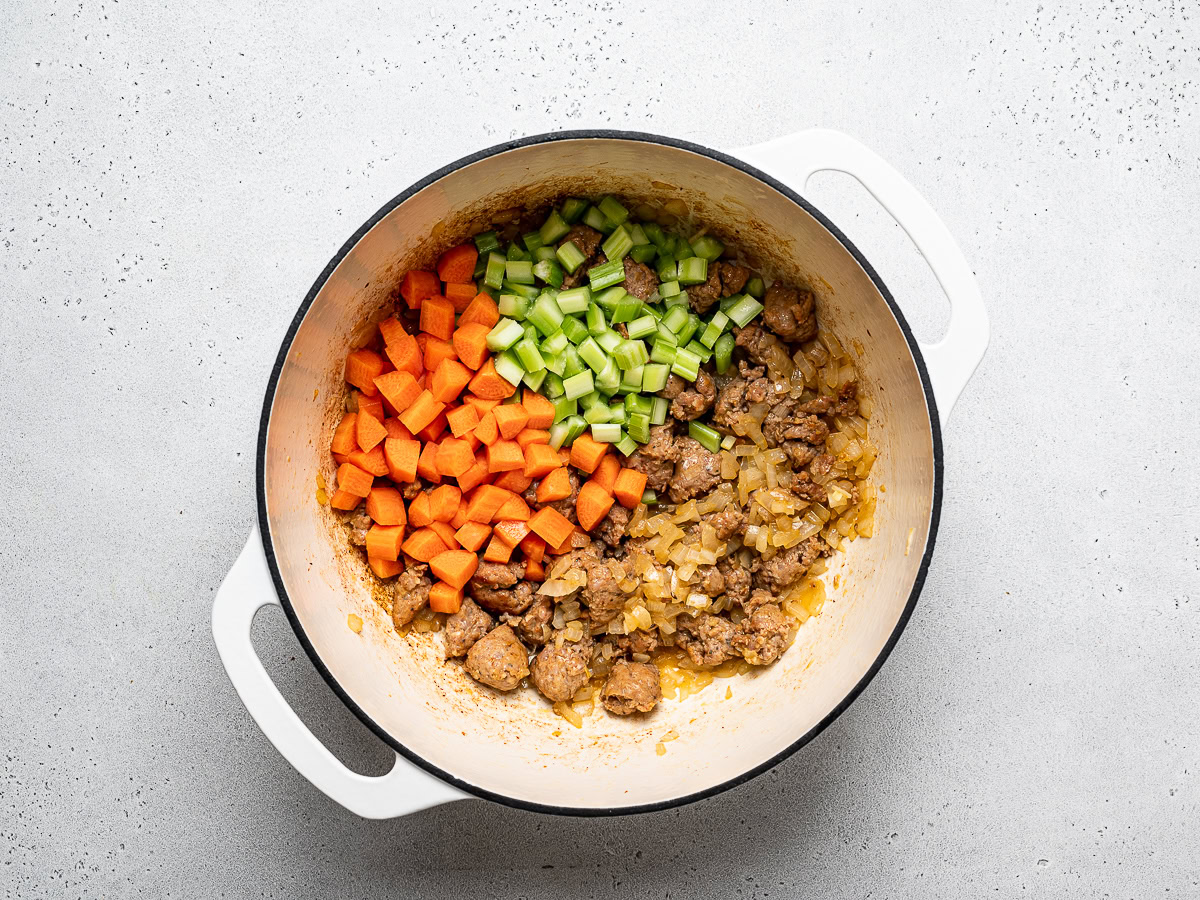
(298, 628)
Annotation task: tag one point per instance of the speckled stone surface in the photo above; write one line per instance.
(172, 180)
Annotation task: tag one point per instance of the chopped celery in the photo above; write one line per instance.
(680, 299)
(516, 254)
(626, 445)
(545, 316)
(649, 497)
(592, 354)
(706, 435)
(654, 309)
(529, 355)
(642, 253)
(707, 247)
(531, 332)
(558, 433)
(630, 353)
(617, 244)
(609, 378)
(662, 352)
(613, 211)
(577, 385)
(609, 341)
(655, 233)
(715, 328)
(554, 229)
(690, 328)
(486, 242)
(591, 399)
(665, 334)
(606, 433)
(494, 273)
(675, 319)
(638, 233)
(534, 379)
(631, 380)
(549, 271)
(577, 428)
(608, 298)
(556, 343)
(666, 267)
(533, 242)
(627, 309)
(544, 254)
(756, 288)
(658, 415)
(564, 407)
(594, 218)
(528, 291)
(744, 310)
(504, 334)
(606, 274)
(553, 386)
(723, 351)
(513, 306)
(683, 250)
(570, 256)
(639, 427)
(616, 412)
(686, 364)
(595, 320)
(668, 289)
(572, 364)
(596, 414)
(642, 327)
(508, 367)
(554, 362)
(480, 267)
(575, 330)
(727, 302)
(485, 288)
(575, 300)
(572, 209)
(654, 377)
(693, 270)
(638, 403)
(699, 349)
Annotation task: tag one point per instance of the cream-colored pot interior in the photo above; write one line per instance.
(514, 745)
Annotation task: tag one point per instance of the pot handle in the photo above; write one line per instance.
(796, 158)
(246, 589)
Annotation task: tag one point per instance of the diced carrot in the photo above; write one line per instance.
(362, 368)
(455, 567)
(434, 350)
(399, 388)
(568, 542)
(551, 526)
(371, 405)
(406, 355)
(586, 452)
(427, 464)
(629, 487)
(354, 480)
(385, 568)
(541, 460)
(490, 385)
(437, 317)
(344, 440)
(514, 508)
(424, 544)
(396, 429)
(420, 512)
(513, 480)
(454, 457)
(481, 405)
(565, 454)
(434, 429)
(344, 500)
(460, 295)
(473, 535)
(483, 310)
(391, 330)
(369, 431)
(504, 455)
(555, 486)
(534, 571)
(443, 502)
(470, 343)
(470, 438)
(510, 419)
(458, 263)
(385, 506)
(446, 533)
(418, 285)
(383, 541)
(462, 419)
(485, 501)
(592, 504)
(533, 436)
(476, 475)
(340, 458)
(606, 473)
(369, 460)
(486, 430)
(448, 380)
(497, 551)
(533, 547)
(460, 517)
(423, 411)
(511, 531)
(401, 456)
(541, 410)
(444, 598)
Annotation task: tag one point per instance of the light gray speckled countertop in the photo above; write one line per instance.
(172, 181)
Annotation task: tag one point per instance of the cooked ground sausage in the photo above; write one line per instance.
(800, 453)
(696, 401)
(804, 486)
(727, 522)
(733, 278)
(673, 388)
(760, 345)
(783, 569)
(638, 642)
(763, 635)
(785, 423)
(697, 470)
(612, 527)
(490, 574)
(534, 627)
(359, 524)
(640, 280)
(601, 594)
(737, 579)
(657, 457)
(790, 313)
(410, 594)
(466, 627)
(498, 659)
(631, 687)
(514, 601)
(560, 671)
(707, 639)
(703, 297)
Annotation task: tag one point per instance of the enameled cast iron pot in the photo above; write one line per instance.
(455, 738)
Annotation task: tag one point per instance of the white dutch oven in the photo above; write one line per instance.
(455, 738)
